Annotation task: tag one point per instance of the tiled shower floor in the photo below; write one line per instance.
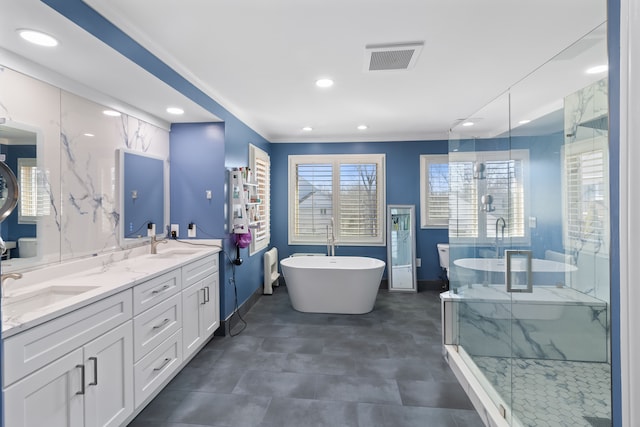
(552, 393)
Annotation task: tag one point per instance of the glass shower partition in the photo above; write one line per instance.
(529, 243)
(482, 225)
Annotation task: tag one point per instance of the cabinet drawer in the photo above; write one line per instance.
(150, 293)
(198, 270)
(156, 325)
(30, 350)
(153, 369)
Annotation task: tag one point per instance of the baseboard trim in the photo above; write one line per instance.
(225, 325)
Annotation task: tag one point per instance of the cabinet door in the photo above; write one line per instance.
(108, 364)
(211, 309)
(48, 397)
(192, 335)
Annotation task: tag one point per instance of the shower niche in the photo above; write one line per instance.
(401, 248)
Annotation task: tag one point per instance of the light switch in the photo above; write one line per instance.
(208, 194)
(134, 194)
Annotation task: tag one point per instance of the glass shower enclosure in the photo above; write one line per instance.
(528, 305)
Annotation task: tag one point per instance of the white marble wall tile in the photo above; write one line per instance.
(81, 170)
(558, 332)
(89, 177)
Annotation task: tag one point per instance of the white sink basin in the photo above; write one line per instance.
(15, 305)
(175, 253)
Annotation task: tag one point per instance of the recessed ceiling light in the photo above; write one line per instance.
(324, 83)
(175, 110)
(598, 69)
(524, 122)
(307, 128)
(37, 37)
(89, 135)
(363, 127)
(111, 113)
(467, 124)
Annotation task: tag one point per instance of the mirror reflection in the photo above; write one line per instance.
(142, 195)
(18, 145)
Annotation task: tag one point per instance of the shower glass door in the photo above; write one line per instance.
(486, 209)
(529, 242)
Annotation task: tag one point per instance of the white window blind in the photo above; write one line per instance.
(348, 189)
(359, 200)
(504, 179)
(434, 190)
(260, 164)
(463, 201)
(586, 196)
(34, 200)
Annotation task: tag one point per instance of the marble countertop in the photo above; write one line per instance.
(30, 300)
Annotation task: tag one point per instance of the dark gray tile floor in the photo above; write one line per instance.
(291, 369)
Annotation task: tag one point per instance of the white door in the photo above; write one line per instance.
(192, 299)
(108, 364)
(51, 396)
(210, 310)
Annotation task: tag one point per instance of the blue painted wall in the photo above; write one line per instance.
(200, 155)
(402, 184)
(403, 187)
(196, 162)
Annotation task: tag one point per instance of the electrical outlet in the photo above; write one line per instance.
(191, 231)
(418, 262)
(208, 194)
(175, 229)
(151, 229)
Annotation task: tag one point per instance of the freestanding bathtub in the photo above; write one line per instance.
(332, 284)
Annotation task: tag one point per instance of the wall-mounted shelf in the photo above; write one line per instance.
(243, 202)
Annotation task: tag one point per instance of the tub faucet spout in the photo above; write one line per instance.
(331, 240)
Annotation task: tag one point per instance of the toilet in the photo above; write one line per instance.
(27, 247)
(443, 254)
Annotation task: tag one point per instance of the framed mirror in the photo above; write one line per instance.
(401, 248)
(142, 194)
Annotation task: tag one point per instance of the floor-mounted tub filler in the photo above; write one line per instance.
(332, 284)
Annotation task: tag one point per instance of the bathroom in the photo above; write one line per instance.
(81, 178)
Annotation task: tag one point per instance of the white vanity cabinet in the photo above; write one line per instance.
(157, 327)
(200, 303)
(90, 384)
(98, 365)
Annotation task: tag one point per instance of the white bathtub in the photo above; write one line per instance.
(324, 284)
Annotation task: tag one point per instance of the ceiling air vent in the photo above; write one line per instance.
(399, 56)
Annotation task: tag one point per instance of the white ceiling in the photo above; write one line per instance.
(259, 59)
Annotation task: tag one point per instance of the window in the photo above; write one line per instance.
(260, 164)
(33, 200)
(434, 191)
(473, 177)
(348, 189)
(586, 196)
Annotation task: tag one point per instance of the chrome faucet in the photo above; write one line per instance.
(331, 240)
(4, 277)
(504, 224)
(154, 244)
